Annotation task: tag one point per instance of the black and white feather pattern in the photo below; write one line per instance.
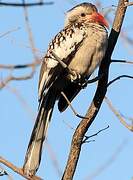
(81, 46)
(64, 45)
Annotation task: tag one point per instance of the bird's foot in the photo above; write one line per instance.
(83, 85)
(74, 76)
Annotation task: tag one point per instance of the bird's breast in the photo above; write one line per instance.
(90, 54)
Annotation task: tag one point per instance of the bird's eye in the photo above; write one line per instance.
(83, 14)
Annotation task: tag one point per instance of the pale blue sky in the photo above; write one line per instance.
(16, 122)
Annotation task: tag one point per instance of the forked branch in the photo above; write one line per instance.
(16, 169)
(98, 98)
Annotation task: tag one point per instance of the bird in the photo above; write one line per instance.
(81, 46)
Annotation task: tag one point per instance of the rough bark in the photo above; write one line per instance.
(98, 97)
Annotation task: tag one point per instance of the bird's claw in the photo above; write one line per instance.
(74, 76)
(83, 84)
(77, 78)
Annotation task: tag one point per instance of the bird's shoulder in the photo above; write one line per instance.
(66, 41)
(64, 45)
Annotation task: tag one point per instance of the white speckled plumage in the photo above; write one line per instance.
(63, 45)
(81, 45)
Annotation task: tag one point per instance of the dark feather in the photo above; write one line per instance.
(34, 151)
(70, 91)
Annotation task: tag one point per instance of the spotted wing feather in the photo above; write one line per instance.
(64, 45)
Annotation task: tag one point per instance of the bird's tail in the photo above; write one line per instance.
(33, 154)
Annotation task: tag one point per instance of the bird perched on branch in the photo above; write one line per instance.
(81, 46)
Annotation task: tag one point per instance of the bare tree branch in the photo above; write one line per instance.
(118, 115)
(22, 101)
(3, 172)
(127, 117)
(11, 78)
(70, 105)
(53, 159)
(32, 65)
(98, 98)
(20, 66)
(26, 4)
(88, 137)
(8, 32)
(121, 61)
(118, 78)
(16, 169)
(29, 31)
(128, 3)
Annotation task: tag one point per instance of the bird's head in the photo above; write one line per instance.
(85, 13)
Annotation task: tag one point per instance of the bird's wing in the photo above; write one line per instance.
(64, 45)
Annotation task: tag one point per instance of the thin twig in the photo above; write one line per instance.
(22, 101)
(33, 65)
(29, 31)
(68, 125)
(13, 78)
(3, 172)
(73, 73)
(54, 159)
(8, 32)
(26, 4)
(118, 78)
(20, 66)
(88, 137)
(16, 169)
(69, 103)
(93, 80)
(127, 117)
(129, 4)
(59, 60)
(89, 81)
(117, 114)
(121, 61)
(24, 45)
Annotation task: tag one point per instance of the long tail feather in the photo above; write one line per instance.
(34, 151)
